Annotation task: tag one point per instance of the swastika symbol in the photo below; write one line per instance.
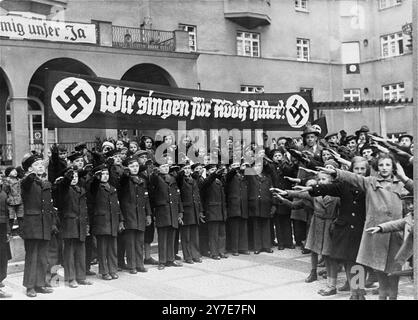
(73, 100)
(297, 111)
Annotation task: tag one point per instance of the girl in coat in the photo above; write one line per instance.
(348, 227)
(319, 236)
(383, 204)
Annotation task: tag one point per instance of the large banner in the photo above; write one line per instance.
(75, 101)
(33, 29)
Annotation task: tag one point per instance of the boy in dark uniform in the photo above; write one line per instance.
(107, 221)
(168, 212)
(38, 224)
(193, 214)
(72, 206)
(214, 204)
(136, 210)
(237, 207)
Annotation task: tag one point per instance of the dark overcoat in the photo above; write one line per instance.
(349, 224)
(260, 199)
(165, 200)
(104, 210)
(72, 210)
(236, 190)
(38, 217)
(213, 198)
(134, 201)
(190, 198)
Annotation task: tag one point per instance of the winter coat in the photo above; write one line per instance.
(38, 214)
(349, 224)
(260, 199)
(103, 207)
(383, 204)
(190, 198)
(236, 191)
(165, 200)
(407, 226)
(13, 191)
(213, 198)
(325, 211)
(134, 201)
(72, 210)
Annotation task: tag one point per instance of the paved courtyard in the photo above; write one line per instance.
(279, 275)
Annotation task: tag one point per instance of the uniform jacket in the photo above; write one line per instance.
(165, 200)
(260, 199)
(407, 226)
(13, 191)
(277, 172)
(134, 201)
(236, 194)
(213, 198)
(72, 210)
(103, 207)
(38, 217)
(383, 204)
(190, 198)
(349, 223)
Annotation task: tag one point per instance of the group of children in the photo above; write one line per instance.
(110, 202)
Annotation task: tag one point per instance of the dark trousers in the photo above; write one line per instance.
(74, 260)
(283, 226)
(237, 234)
(176, 241)
(217, 237)
(166, 236)
(149, 233)
(261, 233)
(107, 254)
(203, 239)
(5, 253)
(89, 244)
(134, 245)
(121, 249)
(299, 231)
(388, 286)
(36, 263)
(190, 241)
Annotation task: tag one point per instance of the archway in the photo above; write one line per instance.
(6, 151)
(146, 73)
(36, 102)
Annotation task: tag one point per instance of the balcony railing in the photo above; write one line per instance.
(145, 39)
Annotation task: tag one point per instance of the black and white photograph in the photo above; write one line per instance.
(208, 154)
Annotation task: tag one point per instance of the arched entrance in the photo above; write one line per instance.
(36, 102)
(146, 73)
(6, 151)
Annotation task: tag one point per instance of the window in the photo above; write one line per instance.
(301, 5)
(384, 4)
(392, 44)
(394, 91)
(248, 44)
(352, 95)
(302, 49)
(252, 89)
(192, 30)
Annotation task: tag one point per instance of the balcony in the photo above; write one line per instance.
(248, 13)
(144, 39)
(42, 7)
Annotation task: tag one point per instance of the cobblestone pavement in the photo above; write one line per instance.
(275, 276)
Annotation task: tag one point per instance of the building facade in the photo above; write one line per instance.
(339, 50)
